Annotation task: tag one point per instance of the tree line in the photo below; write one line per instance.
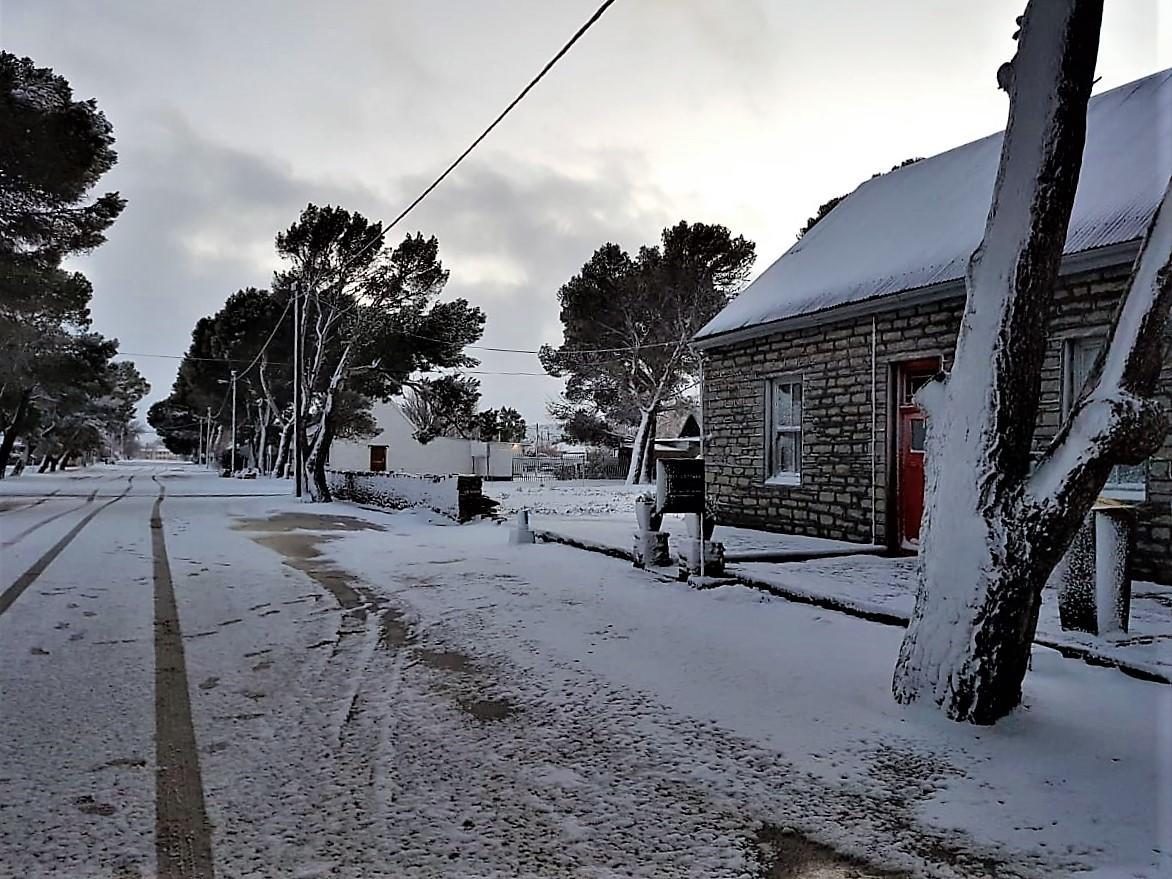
(370, 327)
(63, 396)
(628, 324)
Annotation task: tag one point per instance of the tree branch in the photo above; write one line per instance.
(1115, 420)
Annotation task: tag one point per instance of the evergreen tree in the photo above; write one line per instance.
(370, 323)
(53, 150)
(628, 324)
(444, 406)
(500, 425)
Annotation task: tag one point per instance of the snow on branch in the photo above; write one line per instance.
(1115, 420)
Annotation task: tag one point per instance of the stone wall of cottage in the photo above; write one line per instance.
(843, 492)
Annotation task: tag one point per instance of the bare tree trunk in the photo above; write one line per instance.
(995, 525)
(263, 434)
(319, 490)
(12, 431)
(647, 473)
(641, 446)
(283, 449)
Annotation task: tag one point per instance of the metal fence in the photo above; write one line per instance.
(568, 467)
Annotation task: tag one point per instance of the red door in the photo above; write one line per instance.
(378, 459)
(911, 430)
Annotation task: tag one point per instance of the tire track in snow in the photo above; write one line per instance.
(183, 836)
(35, 503)
(30, 576)
(39, 525)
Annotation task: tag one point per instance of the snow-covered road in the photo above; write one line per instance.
(346, 693)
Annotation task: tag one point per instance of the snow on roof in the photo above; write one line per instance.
(917, 226)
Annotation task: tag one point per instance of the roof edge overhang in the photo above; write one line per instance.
(1107, 256)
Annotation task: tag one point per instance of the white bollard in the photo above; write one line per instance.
(522, 534)
(1114, 530)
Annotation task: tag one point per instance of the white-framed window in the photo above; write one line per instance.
(1127, 481)
(783, 420)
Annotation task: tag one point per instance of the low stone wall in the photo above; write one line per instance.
(457, 497)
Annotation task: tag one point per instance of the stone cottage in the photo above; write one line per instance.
(810, 372)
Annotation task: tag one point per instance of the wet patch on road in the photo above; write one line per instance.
(306, 522)
(301, 552)
(393, 632)
(446, 660)
(488, 710)
(786, 854)
(297, 537)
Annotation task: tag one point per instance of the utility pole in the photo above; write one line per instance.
(199, 440)
(207, 446)
(296, 389)
(232, 471)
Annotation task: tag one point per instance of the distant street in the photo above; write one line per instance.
(201, 677)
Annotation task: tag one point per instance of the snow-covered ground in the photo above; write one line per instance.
(603, 512)
(585, 498)
(888, 586)
(860, 581)
(392, 695)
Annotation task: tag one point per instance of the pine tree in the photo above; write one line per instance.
(628, 324)
(53, 150)
(370, 323)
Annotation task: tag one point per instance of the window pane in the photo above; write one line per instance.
(1082, 356)
(786, 446)
(1083, 353)
(787, 404)
(917, 437)
(1127, 476)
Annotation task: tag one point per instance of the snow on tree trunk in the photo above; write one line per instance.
(635, 466)
(641, 447)
(994, 524)
(282, 449)
(319, 491)
(647, 475)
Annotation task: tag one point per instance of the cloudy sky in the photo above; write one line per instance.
(230, 115)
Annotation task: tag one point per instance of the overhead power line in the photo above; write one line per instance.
(424, 194)
(557, 350)
(460, 158)
(495, 122)
(286, 363)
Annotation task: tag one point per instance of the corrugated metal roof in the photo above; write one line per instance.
(916, 227)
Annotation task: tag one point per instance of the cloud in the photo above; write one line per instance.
(199, 224)
(231, 116)
(512, 233)
(202, 216)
